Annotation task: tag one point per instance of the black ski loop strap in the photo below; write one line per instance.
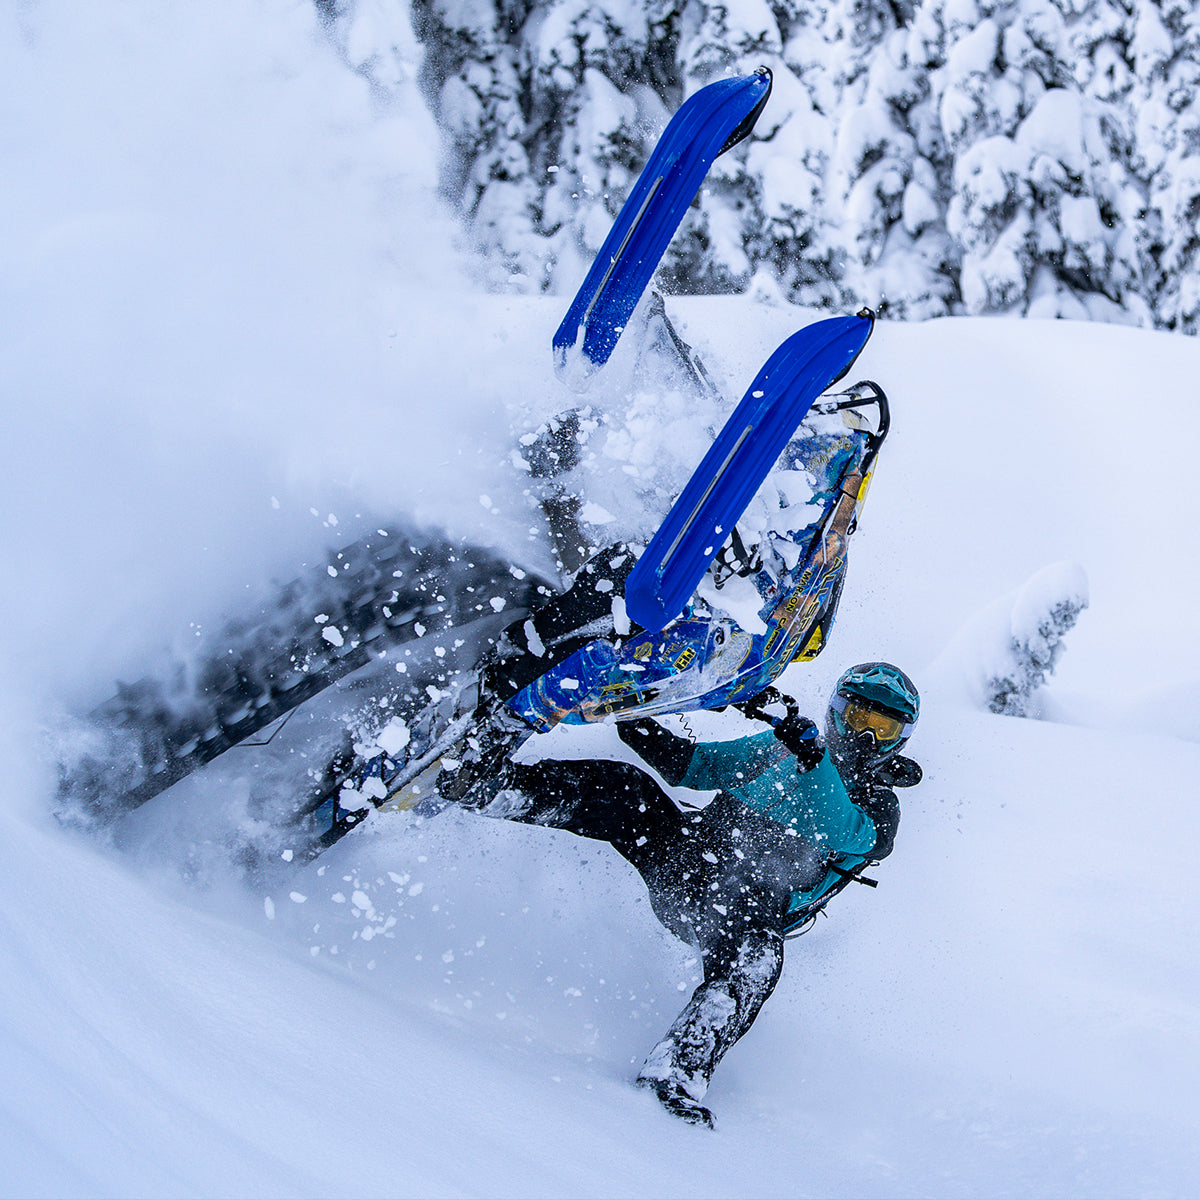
(854, 876)
(746, 559)
(804, 919)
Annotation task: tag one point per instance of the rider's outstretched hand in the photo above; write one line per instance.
(800, 736)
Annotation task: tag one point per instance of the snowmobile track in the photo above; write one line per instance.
(380, 592)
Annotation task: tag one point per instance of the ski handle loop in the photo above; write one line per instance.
(862, 395)
(748, 122)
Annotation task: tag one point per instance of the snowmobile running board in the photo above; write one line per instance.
(710, 122)
(331, 814)
(674, 562)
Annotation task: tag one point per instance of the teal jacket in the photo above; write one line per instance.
(760, 772)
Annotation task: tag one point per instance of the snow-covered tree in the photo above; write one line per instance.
(1166, 54)
(712, 252)
(1038, 187)
(927, 157)
(889, 165)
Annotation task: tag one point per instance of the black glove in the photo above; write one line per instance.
(800, 736)
(900, 772)
(756, 707)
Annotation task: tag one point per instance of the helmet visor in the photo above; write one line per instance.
(885, 727)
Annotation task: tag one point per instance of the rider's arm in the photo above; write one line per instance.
(762, 773)
(883, 807)
(820, 810)
(732, 765)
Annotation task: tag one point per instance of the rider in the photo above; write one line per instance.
(793, 822)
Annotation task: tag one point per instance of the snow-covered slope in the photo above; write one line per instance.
(205, 385)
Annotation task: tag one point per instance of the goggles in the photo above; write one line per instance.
(885, 727)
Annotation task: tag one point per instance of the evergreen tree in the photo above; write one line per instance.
(1166, 52)
(924, 156)
(711, 252)
(889, 162)
(585, 121)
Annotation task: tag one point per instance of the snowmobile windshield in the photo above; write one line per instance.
(886, 727)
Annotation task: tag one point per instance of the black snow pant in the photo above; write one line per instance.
(719, 879)
(530, 647)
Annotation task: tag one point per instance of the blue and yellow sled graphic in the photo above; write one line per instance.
(704, 659)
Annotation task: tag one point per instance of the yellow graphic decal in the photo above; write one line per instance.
(866, 484)
(685, 660)
(813, 647)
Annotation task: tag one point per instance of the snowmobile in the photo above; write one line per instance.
(603, 666)
(385, 687)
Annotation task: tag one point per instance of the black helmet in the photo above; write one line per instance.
(871, 714)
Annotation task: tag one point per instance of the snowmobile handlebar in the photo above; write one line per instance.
(755, 707)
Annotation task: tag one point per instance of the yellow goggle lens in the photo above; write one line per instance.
(885, 727)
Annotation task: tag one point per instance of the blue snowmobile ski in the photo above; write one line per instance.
(674, 562)
(710, 122)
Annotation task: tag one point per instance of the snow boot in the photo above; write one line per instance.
(473, 771)
(677, 1102)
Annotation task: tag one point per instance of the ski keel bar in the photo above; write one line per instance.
(707, 124)
(672, 565)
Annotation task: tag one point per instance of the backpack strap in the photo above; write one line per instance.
(803, 919)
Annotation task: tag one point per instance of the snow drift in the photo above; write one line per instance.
(211, 376)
